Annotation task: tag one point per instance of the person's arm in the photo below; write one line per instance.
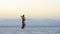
(21, 16)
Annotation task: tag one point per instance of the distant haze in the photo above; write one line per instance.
(30, 22)
(31, 8)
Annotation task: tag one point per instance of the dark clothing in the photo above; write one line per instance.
(23, 25)
(23, 18)
(23, 22)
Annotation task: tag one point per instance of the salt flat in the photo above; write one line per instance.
(30, 30)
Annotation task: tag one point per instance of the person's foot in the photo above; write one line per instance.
(22, 27)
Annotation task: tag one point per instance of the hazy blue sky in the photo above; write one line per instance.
(31, 8)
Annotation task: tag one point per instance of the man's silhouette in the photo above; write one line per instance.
(23, 21)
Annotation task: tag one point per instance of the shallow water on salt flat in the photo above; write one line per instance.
(30, 30)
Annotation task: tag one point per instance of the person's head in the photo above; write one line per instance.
(23, 15)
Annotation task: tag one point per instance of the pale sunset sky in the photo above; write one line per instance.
(31, 8)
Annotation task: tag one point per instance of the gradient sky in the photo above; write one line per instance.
(31, 8)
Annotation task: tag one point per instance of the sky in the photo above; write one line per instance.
(31, 8)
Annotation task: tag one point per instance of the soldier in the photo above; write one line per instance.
(23, 21)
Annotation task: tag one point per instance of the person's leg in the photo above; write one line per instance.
(23, 25)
